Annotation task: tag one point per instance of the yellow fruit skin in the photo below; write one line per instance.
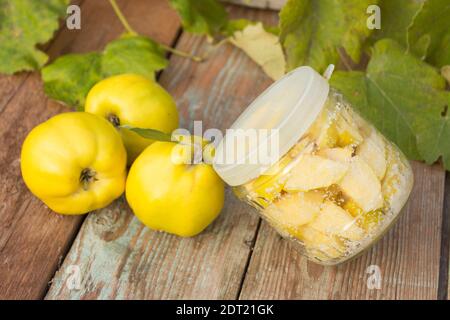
(178, 198)
(136, 101)
(55, 153)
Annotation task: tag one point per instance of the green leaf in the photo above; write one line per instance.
(396, 18)
(133, 54)
(235, 25)
(202, 17)
(149, 133)
(70, 77)
(433, 133)
(404, 97)
(441, 56)
(313, 32)
(23, 25)
(430, 26)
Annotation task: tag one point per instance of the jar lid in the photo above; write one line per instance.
(271, 125)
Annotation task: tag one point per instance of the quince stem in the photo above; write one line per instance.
(131, 31)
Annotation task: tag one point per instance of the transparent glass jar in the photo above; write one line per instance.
(336, 188)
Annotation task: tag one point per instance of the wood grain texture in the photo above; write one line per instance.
(408, 257)
(119, 258)
(33, 239)
(444, 274)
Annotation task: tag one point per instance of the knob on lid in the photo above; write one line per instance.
(271, 125)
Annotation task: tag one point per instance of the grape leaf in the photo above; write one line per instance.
(441, 56)
(69, 78)
(396, 18)
(429, 27)
(433, 133)
(133, 54)
(202, 17)
(235, 25)
(404, 97)
(23, 25)
(263, 47)
(313, 32)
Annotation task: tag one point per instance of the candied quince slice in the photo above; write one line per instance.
(265, 189)
(361, 185)
(322, 130)
(313, 172)
(366, 220)
(352, 208)
(398, 180)
(336, 154)
(373, 151)
(269, 185)
(370, 220)
(347, 129)
(277, 167)
(294, 210)
(319, 244)
(334, 220)
(304, 146)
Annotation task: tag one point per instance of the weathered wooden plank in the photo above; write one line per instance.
(408, 257)
(444, 284)
(9, 84)
(33, 240)
(119, 258)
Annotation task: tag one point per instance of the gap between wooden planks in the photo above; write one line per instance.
(34, 240)
(444, 284)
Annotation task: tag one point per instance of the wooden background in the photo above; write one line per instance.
(238, 256)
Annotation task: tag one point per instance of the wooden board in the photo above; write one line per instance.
(408, 257)
(444, 284)
(33, 240)
(119, 258)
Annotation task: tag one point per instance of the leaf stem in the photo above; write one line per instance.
(182, 53)
(121, 17)
(130, 30)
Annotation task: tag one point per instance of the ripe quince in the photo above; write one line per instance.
(135, 101)
(169, 193)
(74, 162)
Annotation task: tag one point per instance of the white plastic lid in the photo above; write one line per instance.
(285, 110)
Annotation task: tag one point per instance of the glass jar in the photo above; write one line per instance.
(334, 185)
